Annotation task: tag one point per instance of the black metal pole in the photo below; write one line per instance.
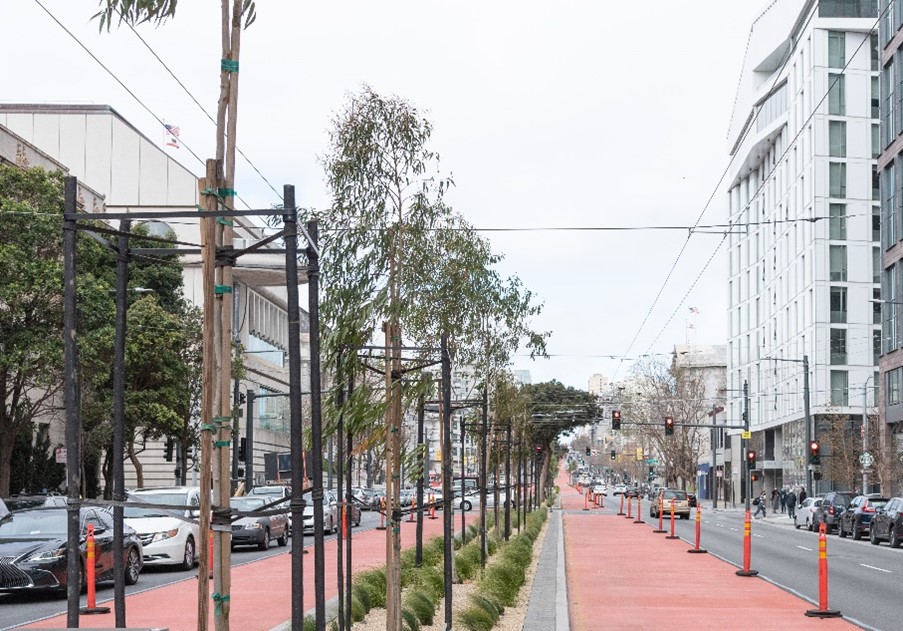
(250, 397)
(236, 436)
(316, 423)
(484, 413)
(808, 420)
(71, 398)
(346, 517)
(745, 476)
(463, 519)
(290, 221)
(446, 479)
(509, 497)
(348, 533)
(418, 552)
(122, 286)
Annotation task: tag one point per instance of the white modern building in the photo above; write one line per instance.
(120, 169)
(804, 258)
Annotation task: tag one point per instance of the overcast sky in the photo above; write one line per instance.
(549, 115)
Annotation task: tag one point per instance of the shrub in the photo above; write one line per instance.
(488, 605)
(432, 581)
(374, 581)
(310, 624)
(362, 593)
(357, 609)
(421, 604)
(411, 622)
(434, 551)
(467, 560)
(502, 579)
(475, 618)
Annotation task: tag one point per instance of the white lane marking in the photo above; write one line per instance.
(735, 529)
(805, 548)
(758, 535)
(872, 567)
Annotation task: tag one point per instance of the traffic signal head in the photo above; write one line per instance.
(814, 452)
(616, 419)
(669, 426)
(754, 477)
(751, 459)
(589, 451)
(614, 454)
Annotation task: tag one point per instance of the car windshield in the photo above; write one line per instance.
(51, 522)
(877, 503)
(248, 503)
(179, 502)
(677, 495)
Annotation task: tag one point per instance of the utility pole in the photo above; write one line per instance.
(714, 457)
(745, 481)
(447, 479)
(421, 449)
(249, 440)
(865, 433)
(483, 476)
(809, 428)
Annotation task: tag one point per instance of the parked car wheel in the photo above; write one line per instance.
(873, 538)
(840, 531)
(466, 505)
(132, 566)
(283, 540)
(265, 544)
(188, 556)
(894, 539)
(857, 531)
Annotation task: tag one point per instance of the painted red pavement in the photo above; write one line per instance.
(621, 575)
(260, 594)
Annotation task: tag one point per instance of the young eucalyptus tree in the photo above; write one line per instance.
(395, 255)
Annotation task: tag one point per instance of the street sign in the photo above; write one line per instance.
(719, 473)
(746, 435)
(866, 459)
(652, 461)
(60, 455)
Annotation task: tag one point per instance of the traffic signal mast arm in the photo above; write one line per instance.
(676, 424)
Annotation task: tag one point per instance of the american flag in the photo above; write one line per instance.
(694, 310)
(172, 135)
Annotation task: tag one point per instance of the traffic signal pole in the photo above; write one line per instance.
(808, 416)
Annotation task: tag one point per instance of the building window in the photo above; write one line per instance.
(887, 94)
(875, 99)
(875, 52)
(894, 380)
(876, 346)
(836, 49)
(876, 265)
(837, 179)
(848, 9)
(838, 256)
(888, 210)
(839, 305)
(876, 306)
(839, 387)
(837, 139)
(876, 183)
(837, 222)
(836, 95)
(838, 347)
(876, 224)
(876, 141)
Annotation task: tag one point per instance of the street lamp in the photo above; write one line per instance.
(805, 362)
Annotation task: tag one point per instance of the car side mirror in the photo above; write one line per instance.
(195, 513)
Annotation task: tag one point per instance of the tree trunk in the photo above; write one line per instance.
(7, 441)
(139, 468)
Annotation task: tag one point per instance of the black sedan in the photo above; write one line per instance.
(888, 523)
(33, 549)
(257, 530)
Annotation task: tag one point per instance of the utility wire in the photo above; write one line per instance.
(124, 86)
(201, 107)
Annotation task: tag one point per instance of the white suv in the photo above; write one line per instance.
(169, 535)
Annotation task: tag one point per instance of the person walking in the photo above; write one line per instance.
(791, 504)
(802, 496)
(783, 501)
(775, 500)
(761, 505)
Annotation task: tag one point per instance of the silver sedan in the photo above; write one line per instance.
(804, 513)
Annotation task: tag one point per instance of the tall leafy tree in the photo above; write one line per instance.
(396, 255)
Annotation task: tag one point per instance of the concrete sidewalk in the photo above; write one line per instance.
(260, 597)
(621, 575)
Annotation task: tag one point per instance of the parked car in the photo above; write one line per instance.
(363, 497)
(33, 549)
(257, 530)
(21, 502)
(169, 530)
(828, 513)
(805, 512)
(4, 511)
(888, 523)
(330, 513)
(664, 498)
(600, 489)
(273, 492)
(620, 489)
(857, 517)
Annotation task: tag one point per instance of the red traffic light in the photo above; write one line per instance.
(669, 425)
(616, 419)
(813, 447)
(751, 459)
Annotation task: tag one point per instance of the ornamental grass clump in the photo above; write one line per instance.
(467, 560)
(476, 619)
(502, 580)
(411, 622)
(422, 605)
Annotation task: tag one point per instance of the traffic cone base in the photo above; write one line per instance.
(826, 613)
(747, 572)
(697, 550)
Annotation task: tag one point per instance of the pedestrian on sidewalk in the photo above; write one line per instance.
(801, 497)
(761, 505)
(775, 500)
(791, 504)
(783, 501)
